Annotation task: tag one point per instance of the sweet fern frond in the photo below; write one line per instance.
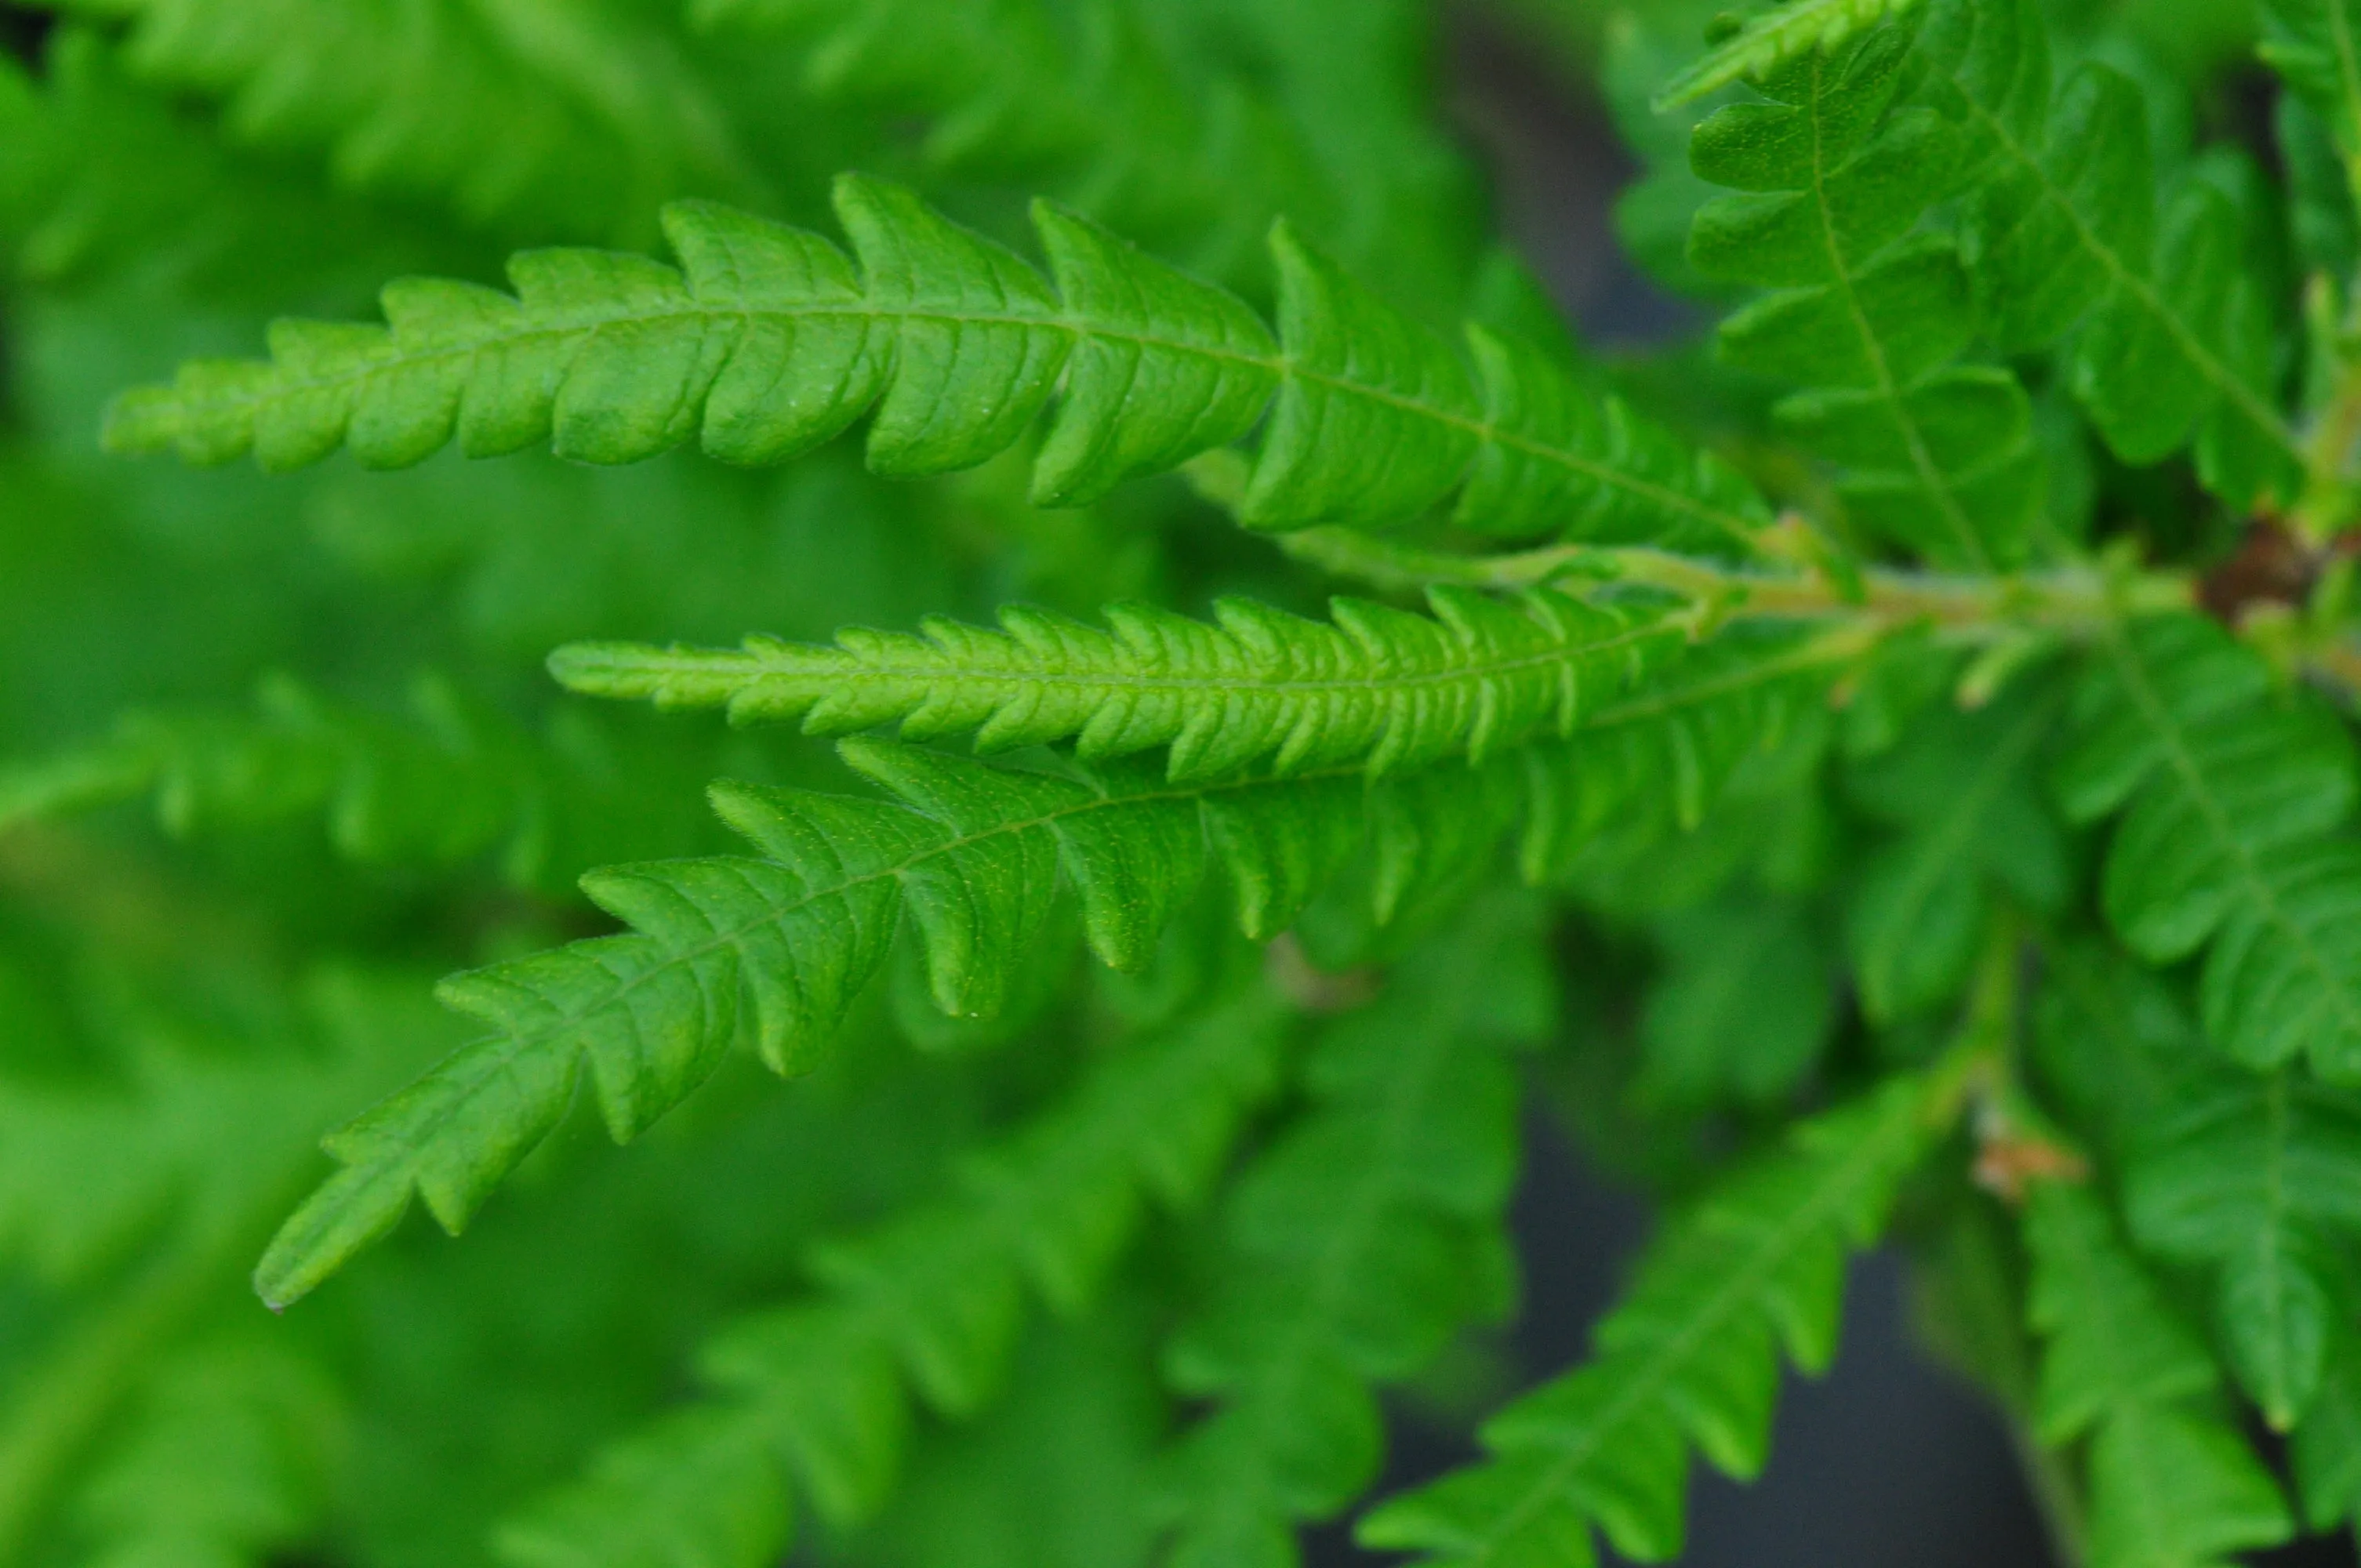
(1770, 39)
(223, 1456)
(1380, 685)
(2238, 793)
(1389, 1187)
(1689, 1356)
(2259, 1178)
(2171, 336)
(773, 950)
(130, 1193)
(390, 792)
(453, 783)
(98, 176)
(1872, 314)
(1195, 159)
(578, 121)
(2170, 1479)
(929, 1303)
(2254, 1180)
(770, 342)
(1959, 638)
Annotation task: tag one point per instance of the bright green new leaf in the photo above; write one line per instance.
(1770, 39)
(1381, 686)
(771, 949)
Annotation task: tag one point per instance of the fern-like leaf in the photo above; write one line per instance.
(770, 342)
(771, 949)
(2171, 1480)
(97, 173)
(451, 785)
(2252, 1179)
(699, 1489)
(580, 120)
(930, 1302)
(145, 1195)
(2257, 1179)
(223, 1458)
(1016, 90)
(1381, 685)
(1689, 1356)
(1870, 316)
(2171, 336)
(1770, 39)
(2235, 793)
(1358, 1243)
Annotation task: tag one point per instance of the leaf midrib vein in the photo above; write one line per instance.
(857, 668)
(2257, 888)
(1283, 365)
(1937, 484)
(2223, 382)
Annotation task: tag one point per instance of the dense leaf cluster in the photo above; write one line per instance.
(1880, 775)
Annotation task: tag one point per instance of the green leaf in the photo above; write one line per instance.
(1359, 1242)
(2170, 340)
(2315, 45)
(2255, 1178)
(2115, 1047)
(577, 124)
(930, 1301)
(769, 342)
(1689, 1356)
(1963, 789)
(1745, 1008)
(771, 949)
(99, 176)
(1772, 38)
(699, 1489)
(2319, 193)
(1394, 690)
(2235, 793)
(1148, 135)
(1870, 317)
(222, 1457)
(2170, 1480)
(447, 782)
